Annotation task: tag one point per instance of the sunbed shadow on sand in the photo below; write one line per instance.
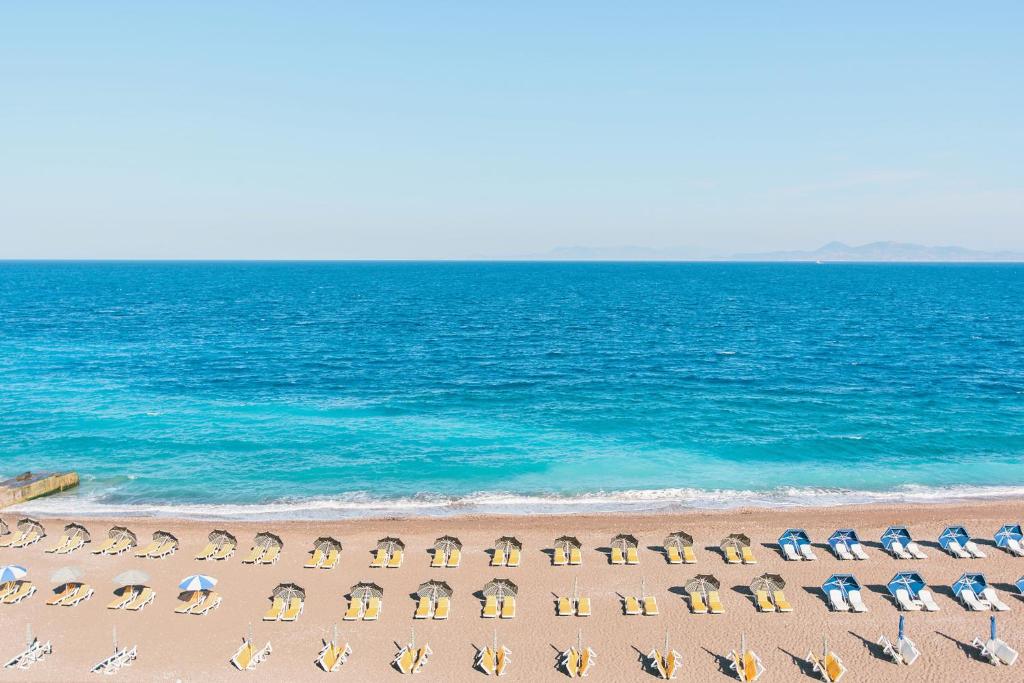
(946, 591)
(969, 650)
(806, 668)
(931, 545)
(641, 658)
(723, 663)
(883, 591)
(876, 545)
(744, 592)
(876, 650)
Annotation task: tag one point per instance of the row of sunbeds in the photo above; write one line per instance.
(364, 608)
(199, 603)
(132, 598)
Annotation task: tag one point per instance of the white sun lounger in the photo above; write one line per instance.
(808, 552)
(915, 550)
(837, 601)
(858, 551)
(928, 600)
(30, 655)
(902, 652)
(789, 551)
(972, 602)
(898, 551)
(856, 602)
(974, 550)
(842, 551)
(1015, 548)
(996, 651)
(956, 550)
(905, 602)
(993, 599)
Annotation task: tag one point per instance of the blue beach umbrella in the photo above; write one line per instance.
(1008, 532)
(911, 581)
(971, 581)
(197, 582)
(846, 536)
(895, 534)
(953, 533)
(797, 537)
(12, 572)
(844, 582)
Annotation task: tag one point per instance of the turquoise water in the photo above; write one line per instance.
(330, 389)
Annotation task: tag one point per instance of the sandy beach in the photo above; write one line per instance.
(193, 648)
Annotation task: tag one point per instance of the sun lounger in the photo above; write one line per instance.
(186, 606)
(928, 600)
(856, 601)
(333, 555)
(905, 602)
(915, 551)
(248, 656)
(107, 544)
(1013, 545)
(575, 556)
(144, 551)
(255, 553)
(731, 556)
(75, 543)
(294, 609)
(379, 559)
(697, 605)
(501, 661)
(396, 559)
(956, 550)
(748, 555)
(672, 553)
(112, 664)
(490, 607)
(586, 661)
(124, 545)
(514, 557)
(61, 596)
(271, 555)
(789, 552)
(903, 651)
(632, 556)
(898, 551)
(275, 611)
(145, 596)
(837, 602)
(84, 592)
(992, 597)
(617, 556)
(224, 552)
(454, 558)
(354, 611)
(208, 550)
(423, 608)
(764, 603)
(974, 550)
(211, 602)
(331, 657)
(30, 655)
(780, 601)
(126, 596)
(858, 551)
(373, 607)
(28, 539)
(996, 651)
(972, 602)
(444, 606)
(650, 606)
(438, 560)
(842, 552)
(715, 603)
(748, 666)
(166, 548)
(570, 659)
(807, 551)
(564, 607)
(422, 655)
(405, 660)
(25, 589)
(559, 559)
(583, 607)
(10, 539)
(316, 561)
(830, 668)
(64, 540)
(7, 588)
(498, 559)
(631, 606)
(508, 607)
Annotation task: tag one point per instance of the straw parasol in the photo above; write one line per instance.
(501, 588)
(566, 543)
(702, 583)
(119, 533)
(27, 524)
(74, 530)
(287, 591)
(66, 575)
(4, 529)
(625, 541)
(434, 590)
(767, 582)
(447, 544)
(164, 536)
(266, 539)
(736, 541)
(220, 537)
(678, 539)
(506, 543)
(326, 544)
(132, 577)
(389, 543)
(365, 589)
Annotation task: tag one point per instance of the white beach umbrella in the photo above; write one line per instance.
(70, 574)
(132, 577)
(12, 572)
(197, 582)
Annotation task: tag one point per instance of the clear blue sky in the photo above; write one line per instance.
(463, 129)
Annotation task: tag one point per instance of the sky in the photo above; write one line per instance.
(343, 130)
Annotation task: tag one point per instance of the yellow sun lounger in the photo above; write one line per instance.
(332, 559)
(144, 551)
(617, 557)
(490, 607)
(405, 660)
(498, 559)
(186, 606)
(486, 661)
(631, 606)
(781, 602)
(632, 557)
(69, 590)
(396, 559)
(75, 543)
(121, 546)
(564, 607)
(650, 606)
(84, 591)
(454, 558)
(764, 603)
(438, 560)
(271, 555)
(64, 540)
(294, 609)
(508, 608)
(275, 611)
(673, 555)
(715, 603)
(559, 559)
(583, 607)
(105, 546)
(354, 611)
(11, 539)
(373, 607)
(207, 552)
(513, 557)
(316, 560)
(444, 606)
(423, 610)
(27, 539)
(144, 597)
(24, 590)
(380, 559)
(748, 555)
(575, 556)
(127, 595)
(697, 605)
(223, 552)
(688, 556)
(255, 553)
(731, 556)
(165, 549)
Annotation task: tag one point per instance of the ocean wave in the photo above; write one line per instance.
(363, 505)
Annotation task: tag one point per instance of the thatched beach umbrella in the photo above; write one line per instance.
(4, 529)
(365, 589)
(132, 577)
(566, 543)
(27, 524)
(702, 583)
(506, 543)
(326, 544)
(389, 543)
(221, 537)
(625, 541)
(73, 531)
(736, 541)
(678, 540)
(434, 590)
(447, 544)
(767, 582)
(287, 591)
(165, 537)
(501, 588)
(119, 533)
(266, 539)
(66, 575)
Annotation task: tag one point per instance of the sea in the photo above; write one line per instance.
(318, 390)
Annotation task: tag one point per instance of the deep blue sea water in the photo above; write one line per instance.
(329, 389)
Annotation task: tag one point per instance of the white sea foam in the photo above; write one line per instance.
(353, 505)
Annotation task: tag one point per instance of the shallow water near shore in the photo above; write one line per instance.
(344, 389)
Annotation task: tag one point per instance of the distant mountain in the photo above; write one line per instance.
(882, 251)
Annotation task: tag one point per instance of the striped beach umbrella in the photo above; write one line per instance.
(197, 582)
(12, 572)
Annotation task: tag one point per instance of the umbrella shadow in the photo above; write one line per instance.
(645, 666)
(479, 595)
(678, 590)
(969, 651)
(817, 592)
(806, 668)
(722, 661)
(883, 591)
(877, 545)
(1008, 588)
(945, 590)
(876, 650)
(606, 551)
(549, 552)
(934, 545)
(745, 592)
(824, 547)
